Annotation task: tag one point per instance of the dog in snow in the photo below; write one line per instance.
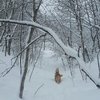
(57, 76)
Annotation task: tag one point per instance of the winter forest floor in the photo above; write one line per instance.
(42, 85)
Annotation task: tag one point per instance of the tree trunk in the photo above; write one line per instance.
(35, 11)
(25, 65)
(9, 46)
(98, 62)
(5, 46)
(20, 38)
(24, 74)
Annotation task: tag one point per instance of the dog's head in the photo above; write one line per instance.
(57, 70)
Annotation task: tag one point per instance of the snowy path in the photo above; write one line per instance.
(67, 90)
(44, 74)
(63, 91)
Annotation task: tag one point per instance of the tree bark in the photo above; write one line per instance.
(35, 11)
(24, 74)
(26, 64)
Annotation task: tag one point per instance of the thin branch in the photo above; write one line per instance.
(93, 25)
(39, 5)
(29, 45)
(38, 89)
(3, 62)
(8, 69)
(35, 63)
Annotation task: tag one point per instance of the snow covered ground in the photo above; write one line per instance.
(42, 85)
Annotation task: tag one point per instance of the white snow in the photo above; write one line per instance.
(44, 74)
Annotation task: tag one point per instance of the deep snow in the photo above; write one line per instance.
(44, 74)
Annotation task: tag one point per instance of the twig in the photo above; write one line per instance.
(38, 89)
(8, 69)
(3, 62)
(29, 45)
(35, 62)
(63, 64)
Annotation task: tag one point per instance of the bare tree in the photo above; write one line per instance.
(31, 30)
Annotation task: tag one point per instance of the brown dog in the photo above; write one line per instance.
(57, 76)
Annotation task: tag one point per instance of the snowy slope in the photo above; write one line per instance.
(44, 75)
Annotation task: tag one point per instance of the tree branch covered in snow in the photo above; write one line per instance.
(67, 49)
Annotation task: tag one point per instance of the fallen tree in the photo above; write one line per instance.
(67, 49)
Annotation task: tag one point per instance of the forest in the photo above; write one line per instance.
(69, 28)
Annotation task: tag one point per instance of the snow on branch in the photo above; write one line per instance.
(68, 50)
